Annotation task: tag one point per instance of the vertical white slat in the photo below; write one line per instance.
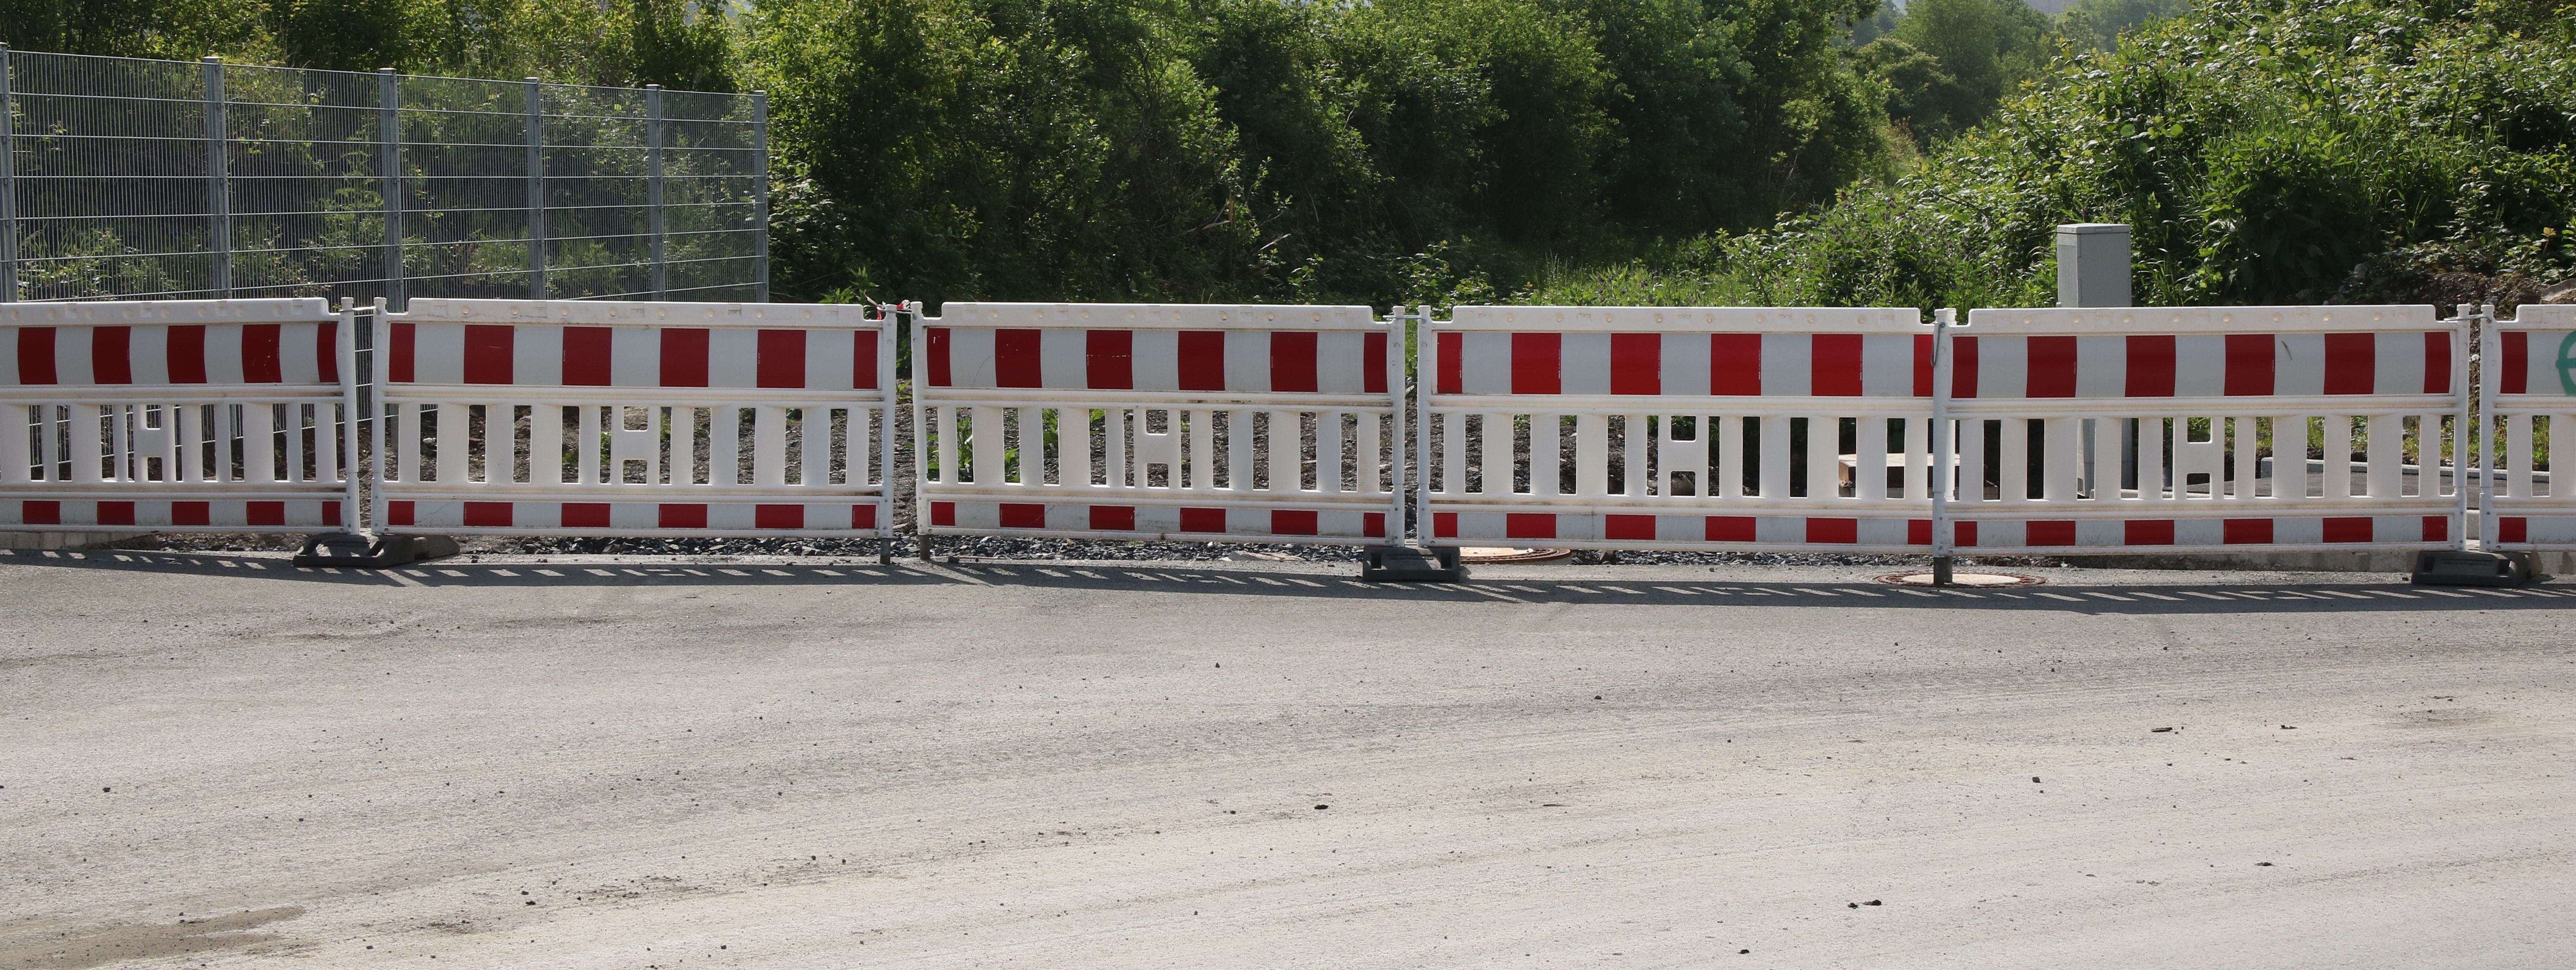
(2151, 459)
(1547, 454)
(1073, 446)
(84, 437)
(1287, 451)
(1238, 450)
(2384, 455)
(1637, 442)
(1370, 449)
(858, 449)
(1728, 432)
(259, 442)
(2290, 457)
(1202, 456)
(1824, 457)
(2337, 449)
(724, 445)
(1971, 436)
(16, 448)
(1775, 457)
(1453, 452)
(545, 444)
(326, 445)
(294, 428)
(945, 417)
(1918, 460)
(1115, 463)
(2064, 459)
(2517, 472)
(586, 452)
(814, 446)
(2012, 468)
(1591, 456)
(2244, 431)
(1328, 452)
(769, 445)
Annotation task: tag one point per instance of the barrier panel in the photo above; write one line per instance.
(1746, 428)
(2529, 390)
(1141, 421)
(176, 415)
(561, 417)
(2147, 430)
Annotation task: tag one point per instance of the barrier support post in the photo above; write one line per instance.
(2474, 438)
(920, 432)
(1944, 535)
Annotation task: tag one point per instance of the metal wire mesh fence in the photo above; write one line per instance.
(139, 179)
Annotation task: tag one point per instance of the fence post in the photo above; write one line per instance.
(760, 196)
(8, 186)
(536, 190)
(389, 160)
(653, 189)
(1944, 450)
(219, 210)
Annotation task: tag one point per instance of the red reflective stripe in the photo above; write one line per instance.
(1963, 373)
(1845, 531)
(2350, 362)
(1735, 364)
(2437, 528)
(2517, 362)
(1374, 524)
(2245, 532)
(1529, 525)
(489, 514)
(1918, 532)
(1292, 522)
(111, 356)
(1203, 520)
(2051, 367)
(1292, 361)
(1963, 534)
(1109, 364)
(2354, 529)
(326, 353)
(2437, 363)
(778, 516)
(684, 361)
(2151, 366)
(675, 515)
(488, 352)
(2048, 534)
(122, 513)
(330, 513)
(398, 510)
(943, 513)
(1538, 365)
(939, 357)
(2148, 532)
(40, 512)
(36, 355)
(187, 354)
(863, 516)
(863, 362)
(1202, 362)
(1834, 363)
(1453, 366)
(2513, 529)
(1641, 527)
(259, 354)
(2249, 365)
(264, 513)
(780, 362)
(1113, 518)
(585, 356)
(1016, 359)
(1728, 528)
(1923, 380)
(1444, 525)
(1023, 515)
(585, 515)
(1373, 362)
(1637, 364)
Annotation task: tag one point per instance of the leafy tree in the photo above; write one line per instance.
(2098, 24)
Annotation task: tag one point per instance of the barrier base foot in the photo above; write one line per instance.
(2453, 568)
(1941, 573)
(1405, 564)
(351, 550)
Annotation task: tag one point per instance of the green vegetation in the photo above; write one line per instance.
(1658, 151)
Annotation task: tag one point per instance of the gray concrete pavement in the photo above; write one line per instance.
(218, 761)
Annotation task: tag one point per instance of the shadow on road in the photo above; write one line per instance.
(1246, 580)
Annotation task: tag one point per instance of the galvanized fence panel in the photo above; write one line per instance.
(1746, 428)
(176, 416)
(2207, 429)
(1139, 421)
(614, 418)
(130, 179)
(2528, 391)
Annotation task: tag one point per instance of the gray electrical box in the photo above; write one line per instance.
(2093, 264)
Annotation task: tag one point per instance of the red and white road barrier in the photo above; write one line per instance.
(2529, 391)
(175, 416)
(1789, 428)
(2143, 430)
(1140, 421)
(597, 418)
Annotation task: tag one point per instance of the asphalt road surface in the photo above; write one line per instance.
(211, 760)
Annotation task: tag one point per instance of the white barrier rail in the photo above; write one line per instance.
(2156, 429)
(1678, 427)
(595, 418)
(176, 415)
(1141, 421)
(2529, 391)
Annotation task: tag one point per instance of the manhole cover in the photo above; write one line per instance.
(1494, 555)
(1968, 579)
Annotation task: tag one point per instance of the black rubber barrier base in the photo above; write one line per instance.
(354, 551)
(1405, 564)
(2474, 569)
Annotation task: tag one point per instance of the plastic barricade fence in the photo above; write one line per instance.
(176, 415)
(2529, 392)
(2168, 430)
(1743, 428)
(594, 418)
(1180, 422)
